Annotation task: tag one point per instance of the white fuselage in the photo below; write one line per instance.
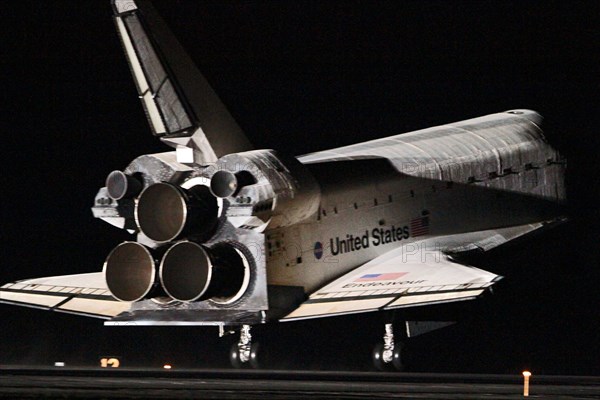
(465, 177)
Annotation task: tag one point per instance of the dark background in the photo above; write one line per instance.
(303, 76)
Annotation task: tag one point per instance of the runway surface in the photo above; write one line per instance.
(86, 383)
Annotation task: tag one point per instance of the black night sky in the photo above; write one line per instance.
(303, 76)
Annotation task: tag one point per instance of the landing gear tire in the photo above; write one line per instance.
(378, 362)
(244, 352)
(254, 358)
(388, 355)
(236, 361)
(234, 356)
(396, 362)
(397, 357)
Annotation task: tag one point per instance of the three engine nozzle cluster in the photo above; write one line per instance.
(186, 270)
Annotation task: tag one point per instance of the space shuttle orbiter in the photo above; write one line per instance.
(227, 235)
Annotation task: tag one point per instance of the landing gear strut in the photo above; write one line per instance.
(388, 353)
(244, 352)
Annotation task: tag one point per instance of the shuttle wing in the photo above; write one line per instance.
(399, 278)
(84, 294)
(180, 105)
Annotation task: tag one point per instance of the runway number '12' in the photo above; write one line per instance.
(109, 362)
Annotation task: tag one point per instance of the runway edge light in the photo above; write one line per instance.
(526, 375)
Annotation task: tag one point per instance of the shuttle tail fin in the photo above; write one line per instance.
(181, 107)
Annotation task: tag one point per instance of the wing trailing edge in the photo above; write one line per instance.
(83, 294)
(394, 280)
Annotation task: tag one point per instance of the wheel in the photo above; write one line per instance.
(254, 358)
(397, 358)
(234, 356)
(378, 362)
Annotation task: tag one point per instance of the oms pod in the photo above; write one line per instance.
(192, 272)
(120, 185)
(226, 183)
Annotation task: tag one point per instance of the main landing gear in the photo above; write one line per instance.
(244, 352)
(388, 355)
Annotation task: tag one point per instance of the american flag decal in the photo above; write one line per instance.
(419, 226)
(390, 276)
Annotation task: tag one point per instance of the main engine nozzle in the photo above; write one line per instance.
(191, 272)
(165, 212)
(130, 272)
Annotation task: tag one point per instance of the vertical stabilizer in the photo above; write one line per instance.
(181, 107)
